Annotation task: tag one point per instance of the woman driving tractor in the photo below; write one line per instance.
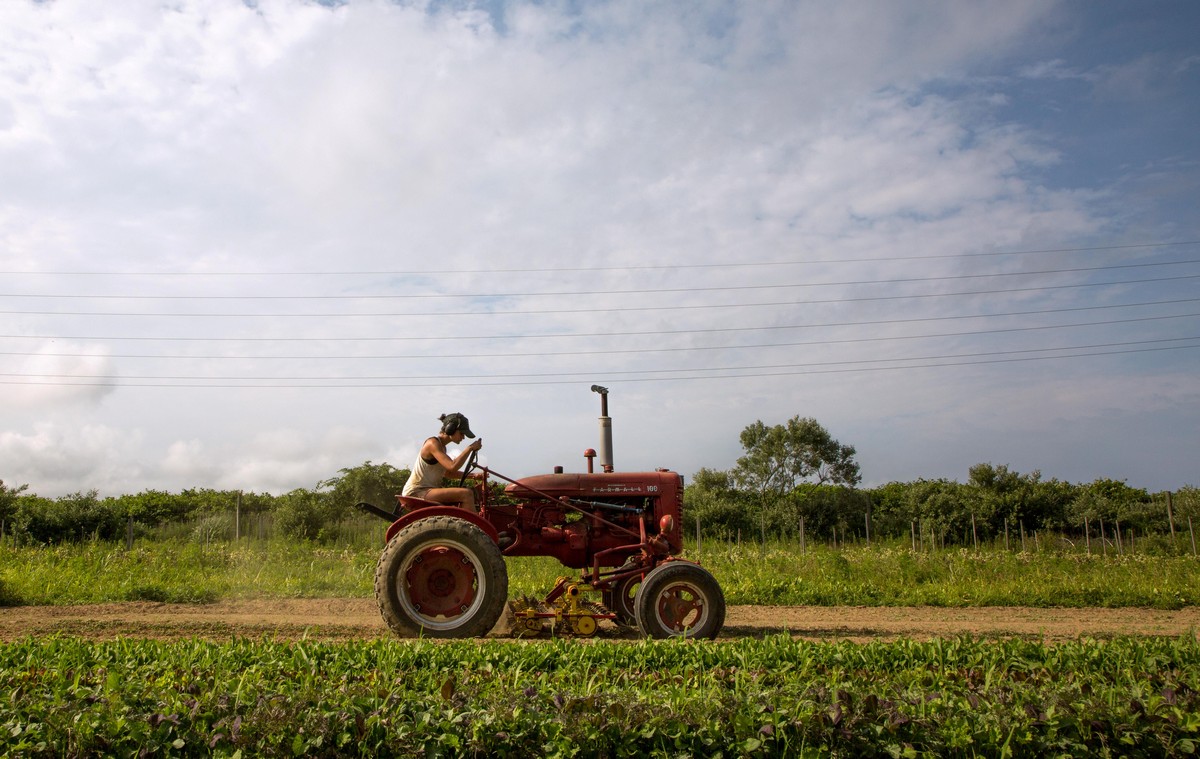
(433, 464)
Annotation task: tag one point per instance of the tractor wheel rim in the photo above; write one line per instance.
(441, 584)
(624, 596)
(681, 608)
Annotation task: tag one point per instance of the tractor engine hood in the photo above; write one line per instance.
(596, 485)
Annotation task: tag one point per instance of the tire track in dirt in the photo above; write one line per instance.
(359, 619)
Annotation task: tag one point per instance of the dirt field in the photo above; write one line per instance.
(358, 619)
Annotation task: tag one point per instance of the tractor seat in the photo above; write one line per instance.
(407, 504)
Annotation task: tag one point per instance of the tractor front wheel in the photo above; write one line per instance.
(680, 600)
(442, 577)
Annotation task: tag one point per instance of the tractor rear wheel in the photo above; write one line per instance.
(680, 600)
(442, 577)
(620, 600)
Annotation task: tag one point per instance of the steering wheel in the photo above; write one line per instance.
(469, 467)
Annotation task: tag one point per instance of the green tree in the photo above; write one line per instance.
(724, 510)
(780, 458)
(305, 515)
(999, 493)
(376, 484)
(8, 501)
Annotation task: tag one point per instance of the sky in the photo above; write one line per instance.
(245, 245)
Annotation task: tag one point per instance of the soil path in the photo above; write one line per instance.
(358, 619)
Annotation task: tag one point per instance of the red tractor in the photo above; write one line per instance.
(442, 573)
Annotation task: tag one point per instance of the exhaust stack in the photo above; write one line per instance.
(606, 452)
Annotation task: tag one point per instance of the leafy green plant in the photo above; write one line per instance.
(774, 696)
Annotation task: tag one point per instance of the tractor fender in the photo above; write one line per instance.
(439, 511)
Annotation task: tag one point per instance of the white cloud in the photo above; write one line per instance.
(55, 458)
(289, 136)
(61, 374)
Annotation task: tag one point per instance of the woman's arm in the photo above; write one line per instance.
(452, 465)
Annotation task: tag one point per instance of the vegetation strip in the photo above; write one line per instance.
(179, 571)
(1126, 696)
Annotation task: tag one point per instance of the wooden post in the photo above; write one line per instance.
(974, 533)
(129, 535)
(1022, 523)
(867, 522)
(697, 533)
(237, 518)
(913, 529)
(1087, 534)
(1005, 533)
(1117, 532)
(803, 542)
(1170, 519)
(1192, 534)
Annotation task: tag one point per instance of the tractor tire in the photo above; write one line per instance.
(680, 600)
(441, 577)
(620, 600)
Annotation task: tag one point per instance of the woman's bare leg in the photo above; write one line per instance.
(464, 497)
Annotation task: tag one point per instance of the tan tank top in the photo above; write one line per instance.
(424, 476)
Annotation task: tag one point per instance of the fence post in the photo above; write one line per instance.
(913, 529)
(974, 533)
(867, 521)
(1171, 519)
(697, 533)
(803, 544)
(1117, 530)
(1087, 535)
(1005, 533)
(237, 518)
(1192, 534)
(129, 535)
(1022, 523)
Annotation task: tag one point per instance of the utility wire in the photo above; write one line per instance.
(644, 267)
(531, 354)
(560, 335)
(619, 372)
(648, 291)
(605, 310)
(457, 383)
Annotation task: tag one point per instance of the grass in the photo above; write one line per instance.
(777, 696)
(183, 571)
(896, 576)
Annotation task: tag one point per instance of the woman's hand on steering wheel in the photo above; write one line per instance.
(472, 463)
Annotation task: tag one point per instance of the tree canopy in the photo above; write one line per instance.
(780, 458)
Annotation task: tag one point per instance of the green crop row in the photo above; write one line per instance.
(776, 696)
(780, 573)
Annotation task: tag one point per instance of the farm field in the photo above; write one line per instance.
(347, 619)
(276, 649)
(774, 696)
(778, 574)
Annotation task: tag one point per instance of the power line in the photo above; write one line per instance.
(561, 335)
(455, 382)
(646, 291)
(617, 309)
(610, 372)
(644, 267)
(530, 354)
